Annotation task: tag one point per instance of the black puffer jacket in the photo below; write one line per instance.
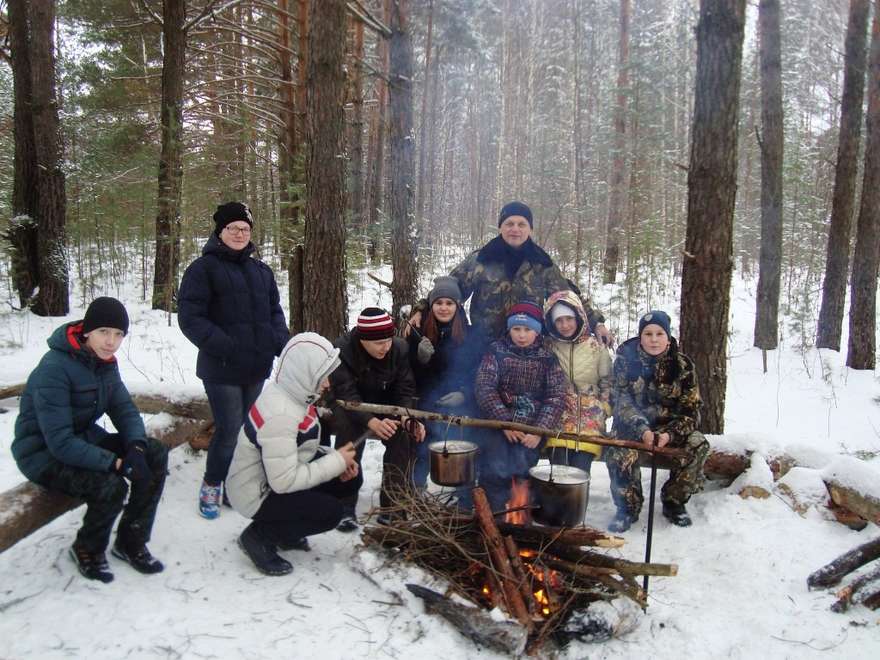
(230, 309)
(361, 377)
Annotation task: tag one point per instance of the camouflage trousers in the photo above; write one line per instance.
(684, 480)
(104, 494)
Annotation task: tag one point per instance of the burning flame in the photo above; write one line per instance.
(519, 497)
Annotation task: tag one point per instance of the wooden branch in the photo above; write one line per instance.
(28, 507)
(519, 573)
(572, 536)
(865, 506)
(363, 14)
(845, 595)
(831, 573)
(378, 280)
(500, 561)
(209, 10)
(510, 426)
(153, 15)
(473, 623)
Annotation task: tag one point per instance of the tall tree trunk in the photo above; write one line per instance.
(613, 237)
(52, 299)
(324, 295)
(287, 138)
(22, 233)
(708, 260)
(863, 292)
(423, 128)
(767, 311)
(404, 237)
(842, 207)
(375, 195)
(356, 141)
(170, 159)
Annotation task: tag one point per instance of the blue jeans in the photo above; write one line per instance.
(229, 405)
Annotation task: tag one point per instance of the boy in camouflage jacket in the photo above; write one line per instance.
(655, 399)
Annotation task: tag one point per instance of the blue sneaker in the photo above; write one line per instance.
(209, 501)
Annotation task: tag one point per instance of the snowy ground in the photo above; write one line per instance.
(740, 592)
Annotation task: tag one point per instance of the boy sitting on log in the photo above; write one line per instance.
(656, 399)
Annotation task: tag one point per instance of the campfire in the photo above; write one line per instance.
(545, 578)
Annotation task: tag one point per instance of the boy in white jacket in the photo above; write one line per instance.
(278, 466)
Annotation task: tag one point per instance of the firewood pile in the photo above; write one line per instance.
(544, 578)
(864, 589)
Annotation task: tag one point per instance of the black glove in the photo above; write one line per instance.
(134, 465)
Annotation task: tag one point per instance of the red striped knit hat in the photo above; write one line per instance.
(374, 324)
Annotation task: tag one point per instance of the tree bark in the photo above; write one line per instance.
(22, 233)
(423, 127)
(404, 237)
(170, 159)
(708, 259)
(843, 203)
(770, 269)
(376, 160)
(357, 128)
(52, 299)
(613, 234)
(866, 257)
(324, 294)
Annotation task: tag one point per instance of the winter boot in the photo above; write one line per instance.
(349, 521)
(92, 565)
(209, 501)
(622, 522)
(138, 556)
(677, 514)
(262, 552)
(301, 544)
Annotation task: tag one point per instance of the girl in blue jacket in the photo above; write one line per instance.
(59, 445)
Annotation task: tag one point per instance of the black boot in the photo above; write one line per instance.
(622, 522)
(349, 521)
(92, 565)
(677, 514)
(262, 552)
(139, 557)
(301, 544)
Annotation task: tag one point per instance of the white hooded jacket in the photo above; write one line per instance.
(274, 461)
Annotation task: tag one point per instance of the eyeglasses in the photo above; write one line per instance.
(238, 231)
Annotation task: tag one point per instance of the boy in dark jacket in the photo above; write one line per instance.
(656, 399)
(230, 309)
(518, 381)
(59, 445)
(374, 369)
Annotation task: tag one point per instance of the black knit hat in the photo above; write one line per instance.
(445, 287)
(374, 324)
(515, 208)
(656, 317)
(231, 212)
(105, 312)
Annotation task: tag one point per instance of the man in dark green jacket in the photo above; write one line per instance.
(59, 445)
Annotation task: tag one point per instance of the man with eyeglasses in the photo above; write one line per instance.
(229, 307)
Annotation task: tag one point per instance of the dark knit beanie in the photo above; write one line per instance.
(105, 312)
(374, 324)
(230, 212)
(445, 287)
(655, 317)
(515, 208)
(526, 313)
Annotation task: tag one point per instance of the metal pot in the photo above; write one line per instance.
(561, 494)
(453, 462)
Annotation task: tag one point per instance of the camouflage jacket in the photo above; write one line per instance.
(483, 274)
(654, 393)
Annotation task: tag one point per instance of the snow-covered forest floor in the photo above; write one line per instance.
(740, 591)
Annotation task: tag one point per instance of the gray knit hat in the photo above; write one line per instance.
(445, 287)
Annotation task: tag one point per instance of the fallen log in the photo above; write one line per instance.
(864, 506)
(28, 507)
(150, 404)
(457, 420)
(833, 572)
(473, 623)
(576, 536)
